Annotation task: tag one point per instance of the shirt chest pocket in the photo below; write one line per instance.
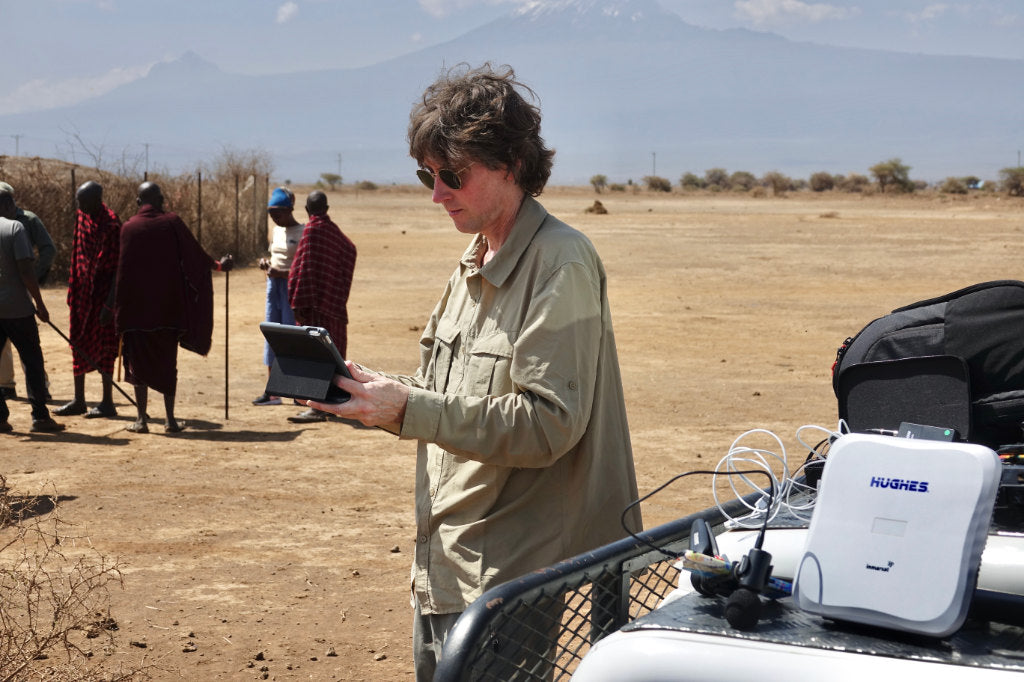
(489, 370)
(463, 365)
(446, 343)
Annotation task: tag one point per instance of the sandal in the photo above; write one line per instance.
(101, 410)
(310, 416)
(71, 409)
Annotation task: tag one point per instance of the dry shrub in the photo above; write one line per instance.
(55, 621)
(854, 182)
(953, 186)
(822, 181)
(44, 188)
(656, 183)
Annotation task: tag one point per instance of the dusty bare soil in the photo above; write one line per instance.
(254, 548)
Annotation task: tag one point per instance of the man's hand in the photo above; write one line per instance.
(376, 400)
(226, 263)
(42, 313)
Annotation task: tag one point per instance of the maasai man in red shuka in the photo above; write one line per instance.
(320, 279)
(164, 297)
(94, 253)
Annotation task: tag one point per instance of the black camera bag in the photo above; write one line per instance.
(904, 366)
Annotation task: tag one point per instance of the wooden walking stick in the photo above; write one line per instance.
(227, 319)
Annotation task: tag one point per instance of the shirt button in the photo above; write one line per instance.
(572, 385)
(422, 539)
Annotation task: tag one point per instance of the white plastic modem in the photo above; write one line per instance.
(897, 532)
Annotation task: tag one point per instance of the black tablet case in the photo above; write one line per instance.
(299, 373)
(932, 390)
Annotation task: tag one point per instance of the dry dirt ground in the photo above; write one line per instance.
(254, 548)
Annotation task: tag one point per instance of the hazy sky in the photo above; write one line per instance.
(61, 51)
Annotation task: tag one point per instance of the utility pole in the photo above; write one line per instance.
(146, 145)
(339, 164)
(654, 164)
(17, 145)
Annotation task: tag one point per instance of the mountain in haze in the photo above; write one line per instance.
(626, 89)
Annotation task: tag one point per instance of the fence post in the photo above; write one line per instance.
(199, 208)
(74, 194)
(254, 234)
(236, 212)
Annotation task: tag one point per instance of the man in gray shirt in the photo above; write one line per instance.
(45, 253)
(18, 290)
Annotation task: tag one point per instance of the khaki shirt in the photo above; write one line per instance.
(524, 456)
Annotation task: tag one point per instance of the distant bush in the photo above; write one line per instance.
(854, 182)
(892, 176)
(617, 187)
(366, 184)
(779, 182)
(1013, 181)
(742, 181)
(716, 177)
(656, 183)
(822, 182)
(332, 179)
(599, 182)
(691, 181)
(953, 186)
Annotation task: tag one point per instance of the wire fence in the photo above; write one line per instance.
(226, 211)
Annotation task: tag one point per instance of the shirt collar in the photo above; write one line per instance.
(529, 219)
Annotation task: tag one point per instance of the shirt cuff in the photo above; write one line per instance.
(422, 415)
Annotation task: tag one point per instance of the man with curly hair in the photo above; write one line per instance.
(524, 456)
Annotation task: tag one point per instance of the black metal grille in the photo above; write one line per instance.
(539, 627)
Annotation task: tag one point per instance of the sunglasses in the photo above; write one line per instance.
(449, 177)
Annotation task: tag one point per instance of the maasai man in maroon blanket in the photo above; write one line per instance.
(94, 253)
(320, 279)
(164, 297)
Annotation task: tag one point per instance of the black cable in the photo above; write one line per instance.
(764, 524)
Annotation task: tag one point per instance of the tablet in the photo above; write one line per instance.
(305, 363)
